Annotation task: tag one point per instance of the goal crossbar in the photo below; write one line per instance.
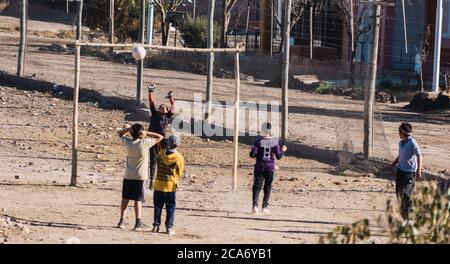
(158, 47)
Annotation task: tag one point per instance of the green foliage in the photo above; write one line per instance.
(358, 232)
(126, 18)
(429, 223)
(195, 32)
(323, 88)
(430, 218)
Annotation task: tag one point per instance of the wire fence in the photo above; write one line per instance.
(340, 120)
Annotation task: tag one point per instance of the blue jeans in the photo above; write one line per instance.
(159, 200)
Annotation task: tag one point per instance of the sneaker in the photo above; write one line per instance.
(121, 224)
(155, 229)
(140, 227)
(255, 210)
(265, 210)
(170, 231)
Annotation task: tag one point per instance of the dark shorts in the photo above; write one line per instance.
(133, 190)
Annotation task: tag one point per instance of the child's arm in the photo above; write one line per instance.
(173, 106)
(253, 151)
(151, 97)
(180, 167)
(419, 167)
(279, 152)
(395, 162)
(157, 137)
(124, 131)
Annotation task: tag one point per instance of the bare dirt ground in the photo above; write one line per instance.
(309, 198)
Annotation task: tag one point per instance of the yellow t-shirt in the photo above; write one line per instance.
(137, 157)
(169, 170)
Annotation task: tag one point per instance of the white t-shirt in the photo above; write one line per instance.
(137, 157)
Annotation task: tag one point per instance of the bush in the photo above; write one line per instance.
(195, 32)
(429, 223)
(430, 218)
(358, 232)
(323, 88)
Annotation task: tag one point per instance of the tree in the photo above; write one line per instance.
(344, 9)
(165, 9)
(126, 17)
(297, 11)
(195, 32)
(226, 16)
(423, 55)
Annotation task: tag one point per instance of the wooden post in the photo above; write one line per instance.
(209, 80)
(111, 25)
(285, 72)
(76, 91)
(271, 28)
(236, 120)
(140, 63)
(311, 33)
(23, 37)
(370, 90)
(79, 19)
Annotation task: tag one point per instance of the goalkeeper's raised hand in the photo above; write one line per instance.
(151, 87)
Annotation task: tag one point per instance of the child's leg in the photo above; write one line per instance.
(153, 162)
(123, 208)
(399, 185)
(268, 179)
(158, 204)
(170, 208)
(408, 186)
(138, 210)
(258, 181)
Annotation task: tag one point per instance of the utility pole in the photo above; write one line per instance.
(209, 81)
(79, 19)
(247, 24)
(404, 26)
(370, 90)
(67, 6)
(437, 47)
(23, 37)
(140, 63)
(111, 25)
(150, 12)
(352, 25)
(285, 73)
(194, 11)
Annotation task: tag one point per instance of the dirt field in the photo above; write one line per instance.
(309, 198)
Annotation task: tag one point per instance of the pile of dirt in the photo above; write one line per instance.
(10, 227)
(426, 102)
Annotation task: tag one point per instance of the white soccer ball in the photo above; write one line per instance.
(138, 53)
